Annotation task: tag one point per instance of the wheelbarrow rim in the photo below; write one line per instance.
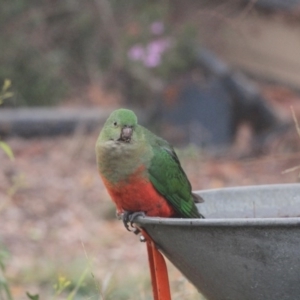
(230, 222)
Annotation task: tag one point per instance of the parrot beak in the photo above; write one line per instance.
(126, 134)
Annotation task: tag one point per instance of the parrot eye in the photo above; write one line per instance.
(115, 124)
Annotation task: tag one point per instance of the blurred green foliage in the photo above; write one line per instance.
(54, 49)
(5, 94)
(5, 292)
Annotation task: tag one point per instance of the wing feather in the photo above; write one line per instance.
(169, 179)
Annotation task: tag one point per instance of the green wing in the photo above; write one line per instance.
(169, 179)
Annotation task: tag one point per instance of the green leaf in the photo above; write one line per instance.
(6, 95)
(7, 150)
(33, 297)
(6, 85)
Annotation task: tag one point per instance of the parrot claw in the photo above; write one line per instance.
(128, 218)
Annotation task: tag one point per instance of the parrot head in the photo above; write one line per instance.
(119, 127)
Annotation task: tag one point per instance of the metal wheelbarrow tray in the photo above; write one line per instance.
(247, 248)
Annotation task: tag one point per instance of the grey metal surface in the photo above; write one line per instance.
(247, 248)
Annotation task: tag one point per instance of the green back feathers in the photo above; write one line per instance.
(169, 179)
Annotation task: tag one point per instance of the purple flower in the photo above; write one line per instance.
(137, 52)
(150, 55)
(154, 52)
(157, 28)
(158, 46)
(152, 60)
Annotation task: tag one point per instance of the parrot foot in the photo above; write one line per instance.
(128, 218)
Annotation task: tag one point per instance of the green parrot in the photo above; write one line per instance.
(141, 171)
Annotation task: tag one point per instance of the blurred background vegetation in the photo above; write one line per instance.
(53, 50)
(62, 51)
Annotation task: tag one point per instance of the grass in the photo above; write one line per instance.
(81, 281)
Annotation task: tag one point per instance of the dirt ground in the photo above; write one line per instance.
(56, 219)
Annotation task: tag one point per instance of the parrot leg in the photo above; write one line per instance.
(129, 216)
(119, 215)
